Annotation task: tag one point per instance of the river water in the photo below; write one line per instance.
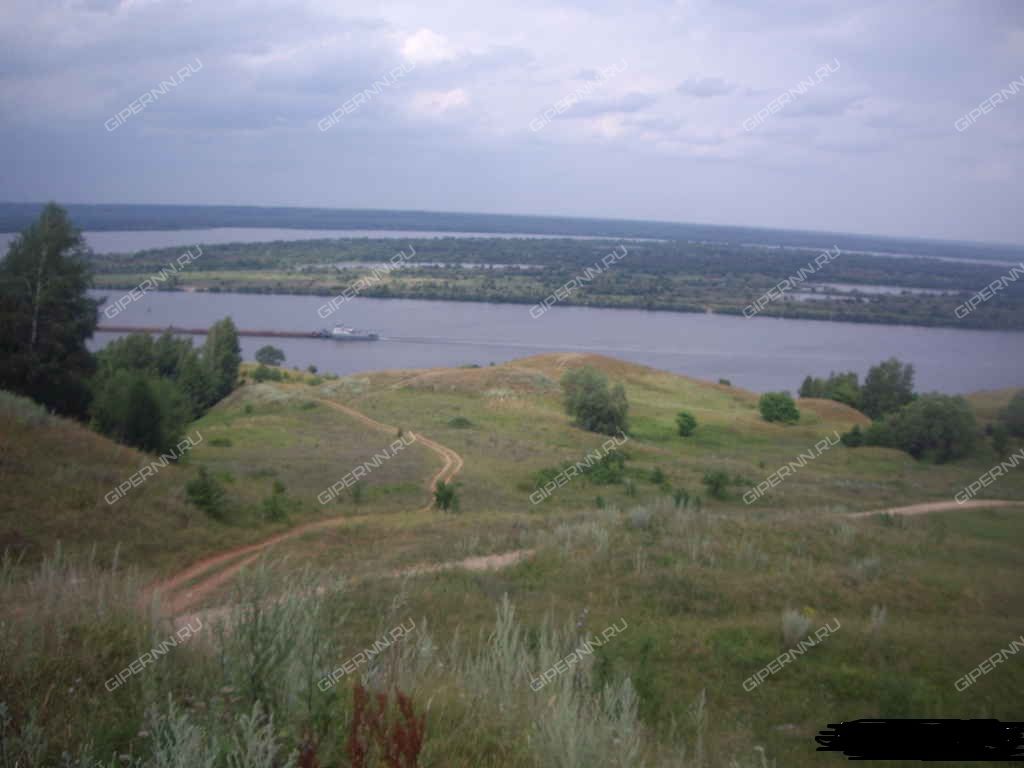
(762, 354)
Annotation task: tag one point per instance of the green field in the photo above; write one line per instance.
(702, 584)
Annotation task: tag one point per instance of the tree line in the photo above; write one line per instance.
(138, 390)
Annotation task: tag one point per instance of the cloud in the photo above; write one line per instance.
(705, 87)
(427, 47)
(437, 103)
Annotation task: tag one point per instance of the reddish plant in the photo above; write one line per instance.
(397, 736)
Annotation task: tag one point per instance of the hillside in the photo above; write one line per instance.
(711, 591)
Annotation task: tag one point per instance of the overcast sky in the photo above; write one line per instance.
(651, 108)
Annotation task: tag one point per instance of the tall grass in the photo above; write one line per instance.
(243, 693)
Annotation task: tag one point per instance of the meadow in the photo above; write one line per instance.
(711, 590)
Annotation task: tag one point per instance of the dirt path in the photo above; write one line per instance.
(937, 506)
(236, 559)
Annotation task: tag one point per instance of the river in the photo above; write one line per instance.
(762, 354)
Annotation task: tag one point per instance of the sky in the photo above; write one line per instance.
(842, 116)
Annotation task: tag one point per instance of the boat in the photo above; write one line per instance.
(344, 333)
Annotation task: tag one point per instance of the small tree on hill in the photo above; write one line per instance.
(716, 483)
(686, 423)
(207, 494)
(592, 404)
(778, 406)
(445, 497)
(269, 355)
(1013, 415)
(222, 357)
(887, 387)
(937, 427)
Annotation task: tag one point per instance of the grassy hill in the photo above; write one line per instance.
(710, 591)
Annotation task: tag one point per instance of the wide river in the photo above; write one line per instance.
(761, 354)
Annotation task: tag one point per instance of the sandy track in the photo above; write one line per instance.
(937, 506)
(226, 565)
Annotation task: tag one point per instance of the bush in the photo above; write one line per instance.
(1000, 439)
(592, 404)
(854, 438)
(263, 373)
(269, 355)
(657, 476)
(841, 387)
(1013, 416)
(275, 505)
(725, 382)
(686, 423)
(716, 483)
(934, 427)
(207, 494)
(887, 387)
(445, 497)
(460, 422)
(778, 406)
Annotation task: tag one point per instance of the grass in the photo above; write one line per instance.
(704, 591)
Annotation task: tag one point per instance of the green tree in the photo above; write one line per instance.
(1013, 415)
(207, 494)
(685, 423)
(778, 406)
(1000, 440)
(222, 357)
(46, 316)
(445, 496)
(935, 427)
(716, 482)
(269, 355)
(887, 387)
(140, 410)
(592, 404)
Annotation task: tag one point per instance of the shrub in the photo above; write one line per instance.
(314, 381)
(397, 739)
(275, 505)
(853, 438)
(716, 482)
(657, 476)
(778, 406)
(1013, 415)
(725, 382)
(460, 422)
(592, 404)
(207, 494)
(263, 373)
(887, 387)
(686, 423)
(934, 427)
(268, 355)
(1000, 439)
(445, 497)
